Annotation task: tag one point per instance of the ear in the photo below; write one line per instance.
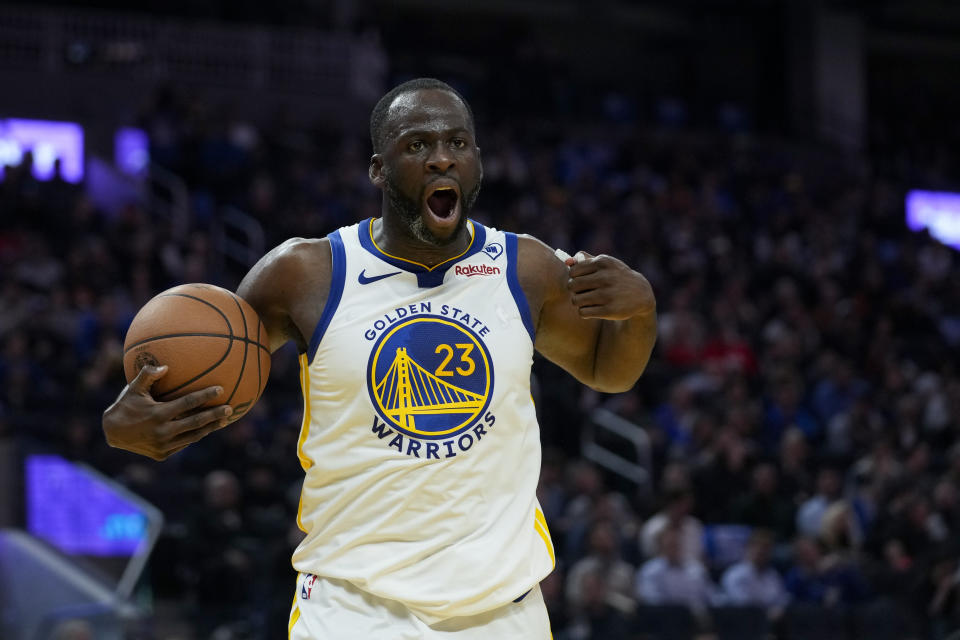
(375, 171)
(480, 163)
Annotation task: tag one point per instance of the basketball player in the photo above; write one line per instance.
(419, 442)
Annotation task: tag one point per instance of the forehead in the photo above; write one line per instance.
(428, 110)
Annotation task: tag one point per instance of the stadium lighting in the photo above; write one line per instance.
(936, 211)
(49, 141)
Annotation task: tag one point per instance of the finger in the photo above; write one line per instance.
(589, 298)
(591, 265)
(194, 421)
(593, 311)
(147, 375)
(190, 401)
(586, 282)
(189, 437)
(166, 455)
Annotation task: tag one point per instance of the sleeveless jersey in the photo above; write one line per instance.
(420, 442)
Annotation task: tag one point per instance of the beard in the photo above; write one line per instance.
(409, 211)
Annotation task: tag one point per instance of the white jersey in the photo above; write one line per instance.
(420, 440)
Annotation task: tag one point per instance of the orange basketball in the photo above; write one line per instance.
(207, 336)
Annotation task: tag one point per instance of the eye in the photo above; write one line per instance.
(459, 143)
(416, 146)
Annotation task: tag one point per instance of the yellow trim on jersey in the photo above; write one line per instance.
(540, 524)
(300, 513)
(305, 460)
(473, 236)
(295, 613)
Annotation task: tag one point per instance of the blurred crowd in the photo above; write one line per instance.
(802, 405)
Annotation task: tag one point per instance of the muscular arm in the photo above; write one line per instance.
(596, 319)
(288, 288)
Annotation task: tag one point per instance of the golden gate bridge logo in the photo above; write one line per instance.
(430, 377)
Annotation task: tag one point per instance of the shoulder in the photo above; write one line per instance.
(294, 258)
(288, 269)
(543, 276)
(736, 572)
(584, 565)
(654, 524)
(535, 255)
(693, 527)
(288, 285)
(300, 253)
(652, 567)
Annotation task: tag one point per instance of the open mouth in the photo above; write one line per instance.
(443, 202)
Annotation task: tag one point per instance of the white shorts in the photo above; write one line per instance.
(327, 609)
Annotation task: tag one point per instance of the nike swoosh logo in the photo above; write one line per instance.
(363, 279)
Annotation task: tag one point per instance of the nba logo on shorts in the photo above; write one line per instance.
(307, 587)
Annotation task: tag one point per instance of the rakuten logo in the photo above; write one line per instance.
(477, 270)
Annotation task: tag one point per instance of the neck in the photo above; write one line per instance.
(394, 237)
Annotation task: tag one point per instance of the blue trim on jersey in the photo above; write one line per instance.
(337, 277)
(514, 281)
(427, 277)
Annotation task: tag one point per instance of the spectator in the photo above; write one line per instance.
(596, 616)
(754, 581)
(943, 596)
(784, 409)
(810, 513)
(838, 391)
(794, 462)
(764, 506)
(910, 520)
(839, 529)
(603, 561)
(856, 427)
(829, 581)
(677, 513)
(896, 576)
(222, 555)
(675, 579)
(723, 474)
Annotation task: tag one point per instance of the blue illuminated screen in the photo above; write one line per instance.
(78, 513)
(49, 141)
(936, 211)
(131, 151)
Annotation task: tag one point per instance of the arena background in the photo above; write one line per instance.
(756, 160)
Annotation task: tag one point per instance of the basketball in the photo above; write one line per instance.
(206, 336)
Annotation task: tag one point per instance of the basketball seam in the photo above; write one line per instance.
(202, 373)
(218, 362)
(246, 335)
(226, 320)
(195, 334)
(246, 346)
(259, 368)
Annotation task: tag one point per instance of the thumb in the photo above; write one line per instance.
(147, 376)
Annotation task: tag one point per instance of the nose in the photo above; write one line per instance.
(440, 159)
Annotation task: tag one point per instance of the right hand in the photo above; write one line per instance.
(139, 424)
